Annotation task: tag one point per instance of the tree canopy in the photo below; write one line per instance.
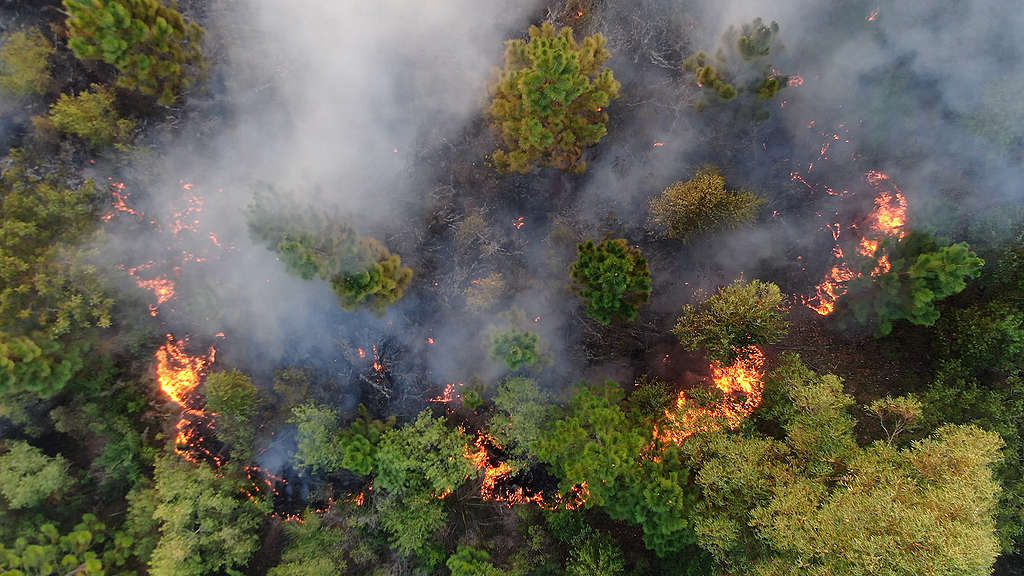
(738, 316)
(686, 210)
(155, 49)
(550, 99)
(920, 273)
(612, 278)
(361, 271)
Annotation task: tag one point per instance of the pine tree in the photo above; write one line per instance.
(549, 101)
(155, 50)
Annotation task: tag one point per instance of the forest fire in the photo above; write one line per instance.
(448, 395)
(887, 219)
(741, 385)
(519, 222)
(497, 484)
(178, 373)
(119, 204)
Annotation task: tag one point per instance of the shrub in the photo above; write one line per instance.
(92, 117)
(25, 63)
(701, 205)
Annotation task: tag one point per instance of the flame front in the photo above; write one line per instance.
(888, 219)
(741, 383)
(177, 372)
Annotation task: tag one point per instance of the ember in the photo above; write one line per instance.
(177, 372)
(887, 219)
(741, 383)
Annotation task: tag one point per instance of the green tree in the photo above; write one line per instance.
(88, 549)
(920, 273)
(25, 63)
(315, 242)
(742, 56)
(701, 205)
(549, 101)
(597, 444)
(469, 561)
(738, 316)
(417, 466)
(422, 457)
(92, 117)
(318, 429)
(27, 476)
(208, 523)
(521, 413)
(326, 447)
(37, 364)
(234, 400)
(313, 549)
(612, 278)
(816, 503)
(47, 289)
(596, 555)
(517, 348)
(155, 50)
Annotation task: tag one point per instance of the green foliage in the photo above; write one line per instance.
(326, 447)
(957, 397)
(469, 561)
(517, 348)
(709, 77)
(816, 503)
(155, 50)
(701, 205)
(596, 443)
(313, 549)
(25, 63)
(987, 338)
(921, 273)
(92, 117)
(421, 458)
(549, 101)
(756, 39)
(361, 271)
(521, 413)
(208, 522)
(42, 286)
(738, 316)
(36, 364)
(596, 556)
(417, 465)
(88, 549)
(28, 477)
(896, 415)
(612, 278)
(318, 429)
(742, 56)
(234, 400)
(46, 288)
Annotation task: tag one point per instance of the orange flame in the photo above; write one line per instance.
(741, 383)
(448, 395)
(120, 203)
(177, 372)
(519, 222)
(888, 218)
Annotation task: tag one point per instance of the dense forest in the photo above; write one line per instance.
(524, 287)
